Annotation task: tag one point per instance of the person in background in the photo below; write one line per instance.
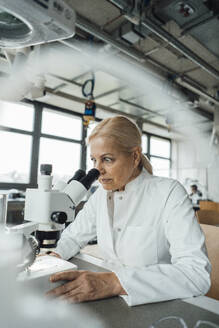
(146, 229)
(195, 195)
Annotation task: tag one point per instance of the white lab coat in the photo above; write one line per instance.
(148, 236)
(195, 198)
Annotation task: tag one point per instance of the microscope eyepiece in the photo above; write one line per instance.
(79, 174)
(46, 169)
(92, 175)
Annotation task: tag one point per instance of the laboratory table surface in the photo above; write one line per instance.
(114, 312)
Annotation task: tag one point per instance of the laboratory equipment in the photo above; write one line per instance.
(3, 208)
(29, 22)
(52, 208)
(47, 210)
(179, 322)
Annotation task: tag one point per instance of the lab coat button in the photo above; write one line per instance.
(120, 197)
(119, 229)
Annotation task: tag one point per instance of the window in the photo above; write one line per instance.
(160, 156)
(17, 116)
(60, 143)
(15, 157)
(159, 147)
(61, 125)
(144, 143)
(31, 135)
(158, 150)
(64, 157)
(16, 125)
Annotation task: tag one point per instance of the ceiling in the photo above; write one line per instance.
(156, 61)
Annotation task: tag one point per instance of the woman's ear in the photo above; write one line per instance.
(136, 156)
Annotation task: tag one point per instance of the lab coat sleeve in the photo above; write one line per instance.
(79, 232)
(188, 274)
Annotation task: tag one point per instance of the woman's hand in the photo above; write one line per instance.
(86, 286)
(51, 254)
(54, 254)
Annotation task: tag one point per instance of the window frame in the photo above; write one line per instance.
(149, 155)
(36, 134)
(20, 186)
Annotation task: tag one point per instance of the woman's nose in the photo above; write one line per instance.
(99, 167)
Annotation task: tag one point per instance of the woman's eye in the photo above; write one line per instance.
(107, 159)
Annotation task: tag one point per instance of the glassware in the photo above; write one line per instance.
(178, 322)
(3, 208)
(203, 324)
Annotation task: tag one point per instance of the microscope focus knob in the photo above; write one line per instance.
(59, 217)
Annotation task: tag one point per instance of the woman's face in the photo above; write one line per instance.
(116, 168)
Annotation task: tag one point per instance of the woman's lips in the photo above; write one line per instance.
(106, 181)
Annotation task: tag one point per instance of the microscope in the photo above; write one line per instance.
(53, 207)
(48, 210)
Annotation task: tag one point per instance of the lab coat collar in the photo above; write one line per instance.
(137, 182)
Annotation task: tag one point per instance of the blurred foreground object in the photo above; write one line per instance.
(30, 22)
(21, 306)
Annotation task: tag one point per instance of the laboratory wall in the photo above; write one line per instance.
(197, 162)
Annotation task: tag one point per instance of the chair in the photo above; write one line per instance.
(208, 205)
(208, 217)
(212, 244)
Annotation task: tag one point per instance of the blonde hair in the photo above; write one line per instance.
(125, 134)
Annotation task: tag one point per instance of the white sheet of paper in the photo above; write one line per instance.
(44, 266)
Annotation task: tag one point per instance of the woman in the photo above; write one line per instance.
(145, 227)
